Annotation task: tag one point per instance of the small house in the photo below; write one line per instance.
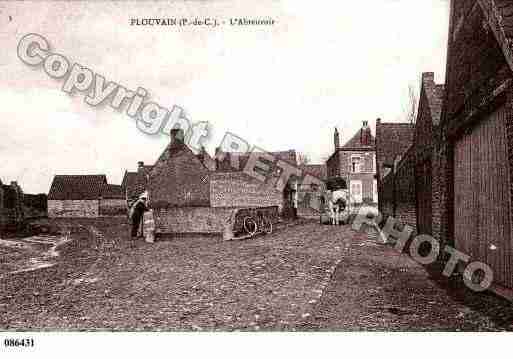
(84, 196)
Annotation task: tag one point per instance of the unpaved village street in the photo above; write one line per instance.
(302, 277)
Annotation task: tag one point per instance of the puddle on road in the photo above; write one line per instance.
(35, 252)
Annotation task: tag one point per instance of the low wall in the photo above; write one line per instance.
(73, 208)
(207, 220)
(113, 208)
(237, 189)
(191, 219)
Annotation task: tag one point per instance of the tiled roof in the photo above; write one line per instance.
(77, 187)
(392, 139)
(113, 191)
(363, 138)
(225, 165)
(318, 171)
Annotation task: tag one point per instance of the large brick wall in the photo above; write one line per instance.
(405, 189)
(73, 208)
(207, 220)
(236, 189)
(179, 179)
(191, 219)
(112, 207)
(477, 82)
(397, 193)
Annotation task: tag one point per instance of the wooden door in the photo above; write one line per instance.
(482, 227)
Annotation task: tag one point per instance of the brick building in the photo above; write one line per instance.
(393, 141)
(135, 183)
(84, 196)
(355, 162)
(187, 197)
(427, 160)
(476, 130)
(236, 162)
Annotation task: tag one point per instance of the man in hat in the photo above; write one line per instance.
(137, 213)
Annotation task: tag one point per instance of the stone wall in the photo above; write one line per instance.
(73, 208)
(175, 220)
(112, 207)
(236, 189)
(438, 195)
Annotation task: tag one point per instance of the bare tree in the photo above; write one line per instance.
(411, 106)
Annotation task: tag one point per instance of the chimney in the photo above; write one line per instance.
(177, 137)
(140, 165)
(336, 139)
(365, 134)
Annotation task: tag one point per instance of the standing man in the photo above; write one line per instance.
(137, 213)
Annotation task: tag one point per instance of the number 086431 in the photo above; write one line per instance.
(18, 343)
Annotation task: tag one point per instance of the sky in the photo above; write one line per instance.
(324, 64)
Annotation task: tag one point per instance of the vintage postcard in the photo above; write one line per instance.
(259, 166)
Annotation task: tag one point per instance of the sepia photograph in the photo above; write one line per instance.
(294, 177)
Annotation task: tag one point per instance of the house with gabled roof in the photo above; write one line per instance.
(186, 196)
(84, 196)
(135, 183)
(354, 164)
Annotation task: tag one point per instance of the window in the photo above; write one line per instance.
(356, 164)
(356, 191)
